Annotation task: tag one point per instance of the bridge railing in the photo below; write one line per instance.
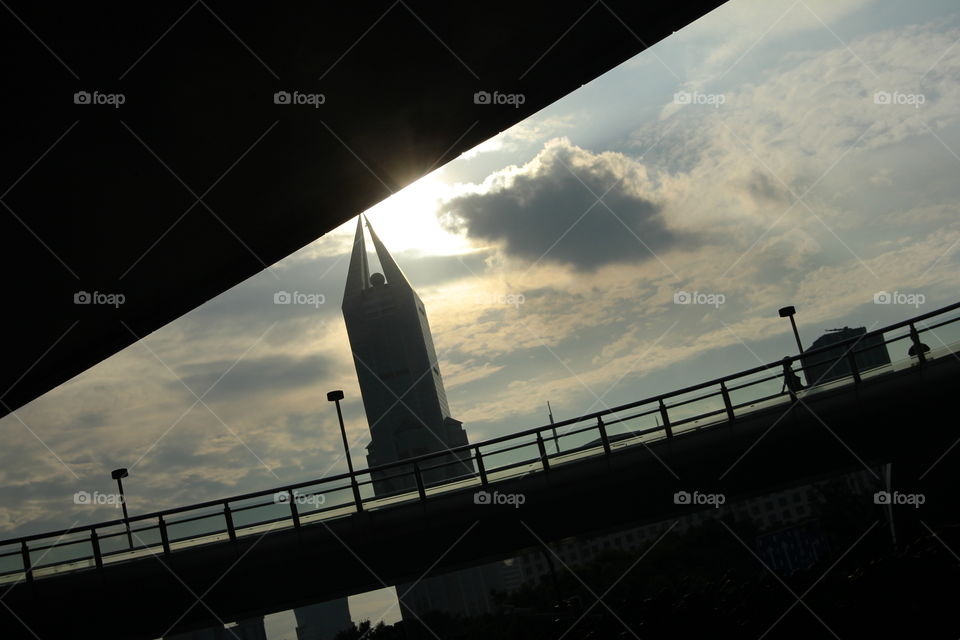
(478, 465)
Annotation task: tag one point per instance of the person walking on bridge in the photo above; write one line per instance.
(790, 379)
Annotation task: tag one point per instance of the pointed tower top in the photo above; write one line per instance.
(358, 276)
(390, 268)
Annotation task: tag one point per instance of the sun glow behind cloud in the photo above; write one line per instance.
(407, 220)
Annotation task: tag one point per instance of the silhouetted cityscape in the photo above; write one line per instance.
(429, 321)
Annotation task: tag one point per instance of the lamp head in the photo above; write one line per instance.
(116, 474)
(333, 396)
(787, 311)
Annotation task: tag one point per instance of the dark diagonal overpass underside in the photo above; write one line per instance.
(199, 180)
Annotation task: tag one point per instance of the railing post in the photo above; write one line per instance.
(95, 543)
(852, 361)
(603, 435)
(666, 419)
(480, 468)
(726, 401)
(228, 516)
(164, 539)
(543, 452)
(25, 556)
(294, 514)
(419, 477)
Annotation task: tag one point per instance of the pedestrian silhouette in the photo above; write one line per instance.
(790, 379)
(917, 349)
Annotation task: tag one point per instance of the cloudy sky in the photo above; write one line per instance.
(772, 153)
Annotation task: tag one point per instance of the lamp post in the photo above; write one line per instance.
(118, 475)
(788, 312)
(336, 396)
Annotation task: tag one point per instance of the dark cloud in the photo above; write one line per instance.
(539, 212)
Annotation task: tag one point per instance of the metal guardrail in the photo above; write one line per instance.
(595, 434)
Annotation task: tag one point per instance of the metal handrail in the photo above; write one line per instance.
(416, 463)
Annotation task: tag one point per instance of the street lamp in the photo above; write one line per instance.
(118, 475)
(335, 397)
(788, 312)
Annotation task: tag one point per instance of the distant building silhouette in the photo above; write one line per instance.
(322, 621)
(832, 364)
(406, 407)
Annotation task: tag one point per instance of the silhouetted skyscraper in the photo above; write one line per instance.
(397, 367)
(407, 410)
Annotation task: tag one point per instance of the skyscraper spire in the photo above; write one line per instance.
(390, 268)
(395, 358)
(358, 276)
